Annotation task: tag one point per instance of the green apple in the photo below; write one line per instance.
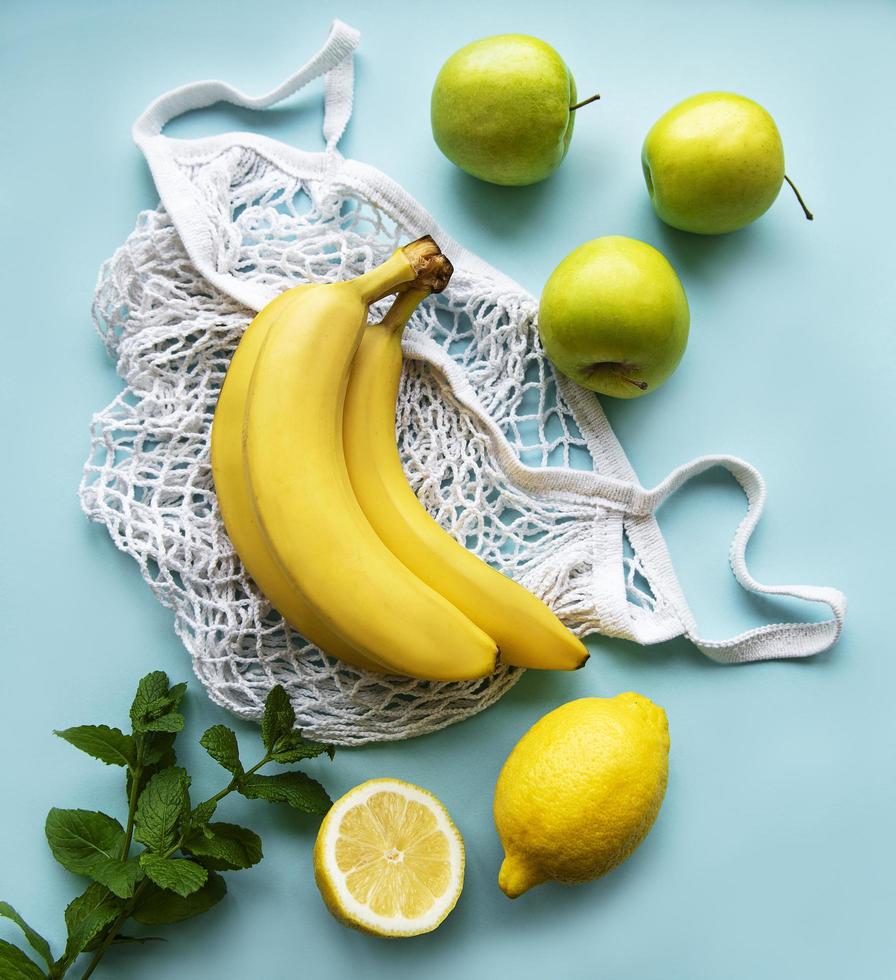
(503, 109)
(614, 317)
(714, 163)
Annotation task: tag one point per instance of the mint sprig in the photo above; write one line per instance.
(163, 864)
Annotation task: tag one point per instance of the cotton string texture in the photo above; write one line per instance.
(148, 477)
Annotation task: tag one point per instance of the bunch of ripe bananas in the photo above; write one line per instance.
(313, 495)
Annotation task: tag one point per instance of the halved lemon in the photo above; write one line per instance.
(388, 859)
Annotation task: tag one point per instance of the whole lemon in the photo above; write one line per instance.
(580, 790)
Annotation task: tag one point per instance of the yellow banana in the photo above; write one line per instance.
(233, 491)
(303, 497)
(528, 634)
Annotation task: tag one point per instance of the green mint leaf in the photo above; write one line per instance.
(80, 839)
(158, 747)
(154, 707)
(89, 843)
(88, 915)
(301, 792)
(35, 939)
(160, 907)
(171, 722)
(120, 877)
(15, 965)
(278, 718)
(151, 689)
(95, 943)
(160, 809)
(176, 694)
(220, 743)
(120, 940)
(224, 846)
(202, 813)
(175, 874)
(293, 748)
(107, 744)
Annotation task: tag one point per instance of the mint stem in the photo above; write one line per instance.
(136, 774)
(113, 929)
(235, 782)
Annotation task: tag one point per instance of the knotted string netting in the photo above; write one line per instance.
(148, 477)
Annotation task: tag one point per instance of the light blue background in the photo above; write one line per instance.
(773, 854)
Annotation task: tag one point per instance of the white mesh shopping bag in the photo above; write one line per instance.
(487, 431)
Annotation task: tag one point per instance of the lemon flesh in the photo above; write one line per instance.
(388, 859)
(580, 791)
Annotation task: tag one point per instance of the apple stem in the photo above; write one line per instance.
(638, 384)
(806, 211)
(579, 105)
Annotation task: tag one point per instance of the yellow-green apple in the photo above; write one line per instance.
(614, 317)
(503, 109)
(714, 163)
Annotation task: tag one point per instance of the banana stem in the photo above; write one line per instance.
(385, 278)
(420, 262)
(402, 308)
(432, 267)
